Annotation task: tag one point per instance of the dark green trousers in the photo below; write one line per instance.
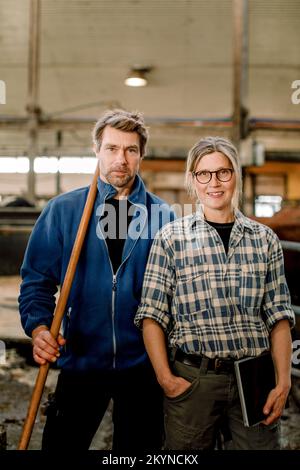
(194, 418)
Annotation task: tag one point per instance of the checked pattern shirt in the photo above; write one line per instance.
(210, 303)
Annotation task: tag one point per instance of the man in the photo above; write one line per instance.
(101, 353)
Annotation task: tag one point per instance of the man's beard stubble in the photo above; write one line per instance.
(119, 181)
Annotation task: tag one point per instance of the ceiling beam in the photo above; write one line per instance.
(22, 122)
(33, 91)
(240, 68)
(164, 165)
(274, 167)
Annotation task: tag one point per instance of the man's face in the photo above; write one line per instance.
(119, 157)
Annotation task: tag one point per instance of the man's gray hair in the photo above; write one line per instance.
(124, 121)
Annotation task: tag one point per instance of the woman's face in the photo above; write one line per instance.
(216, 196)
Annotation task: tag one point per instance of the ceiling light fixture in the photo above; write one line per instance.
(137, 76)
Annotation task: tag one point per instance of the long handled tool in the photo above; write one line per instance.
(59, 313)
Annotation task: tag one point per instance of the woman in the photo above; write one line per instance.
(215, 289)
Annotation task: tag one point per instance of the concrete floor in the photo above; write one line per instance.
(17, 378)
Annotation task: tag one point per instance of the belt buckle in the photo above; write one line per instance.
(218, 365)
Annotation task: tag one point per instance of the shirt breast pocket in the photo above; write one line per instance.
(193, 289)
(252, 285)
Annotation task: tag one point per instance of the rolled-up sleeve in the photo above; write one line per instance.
(157, 293)
(277, 300)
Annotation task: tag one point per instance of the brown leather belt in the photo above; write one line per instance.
(218, 365)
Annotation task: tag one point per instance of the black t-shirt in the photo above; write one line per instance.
(115, 222)
(224, 230)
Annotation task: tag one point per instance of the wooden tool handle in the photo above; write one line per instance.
(59, 312)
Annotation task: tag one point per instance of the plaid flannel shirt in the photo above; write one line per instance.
(210, 303)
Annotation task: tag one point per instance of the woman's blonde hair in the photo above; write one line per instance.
(209, 145)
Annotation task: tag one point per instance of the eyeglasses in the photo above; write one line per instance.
(204, 176)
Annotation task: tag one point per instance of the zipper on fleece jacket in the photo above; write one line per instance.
(114, 289)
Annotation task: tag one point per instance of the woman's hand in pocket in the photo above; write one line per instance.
(175, 386)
